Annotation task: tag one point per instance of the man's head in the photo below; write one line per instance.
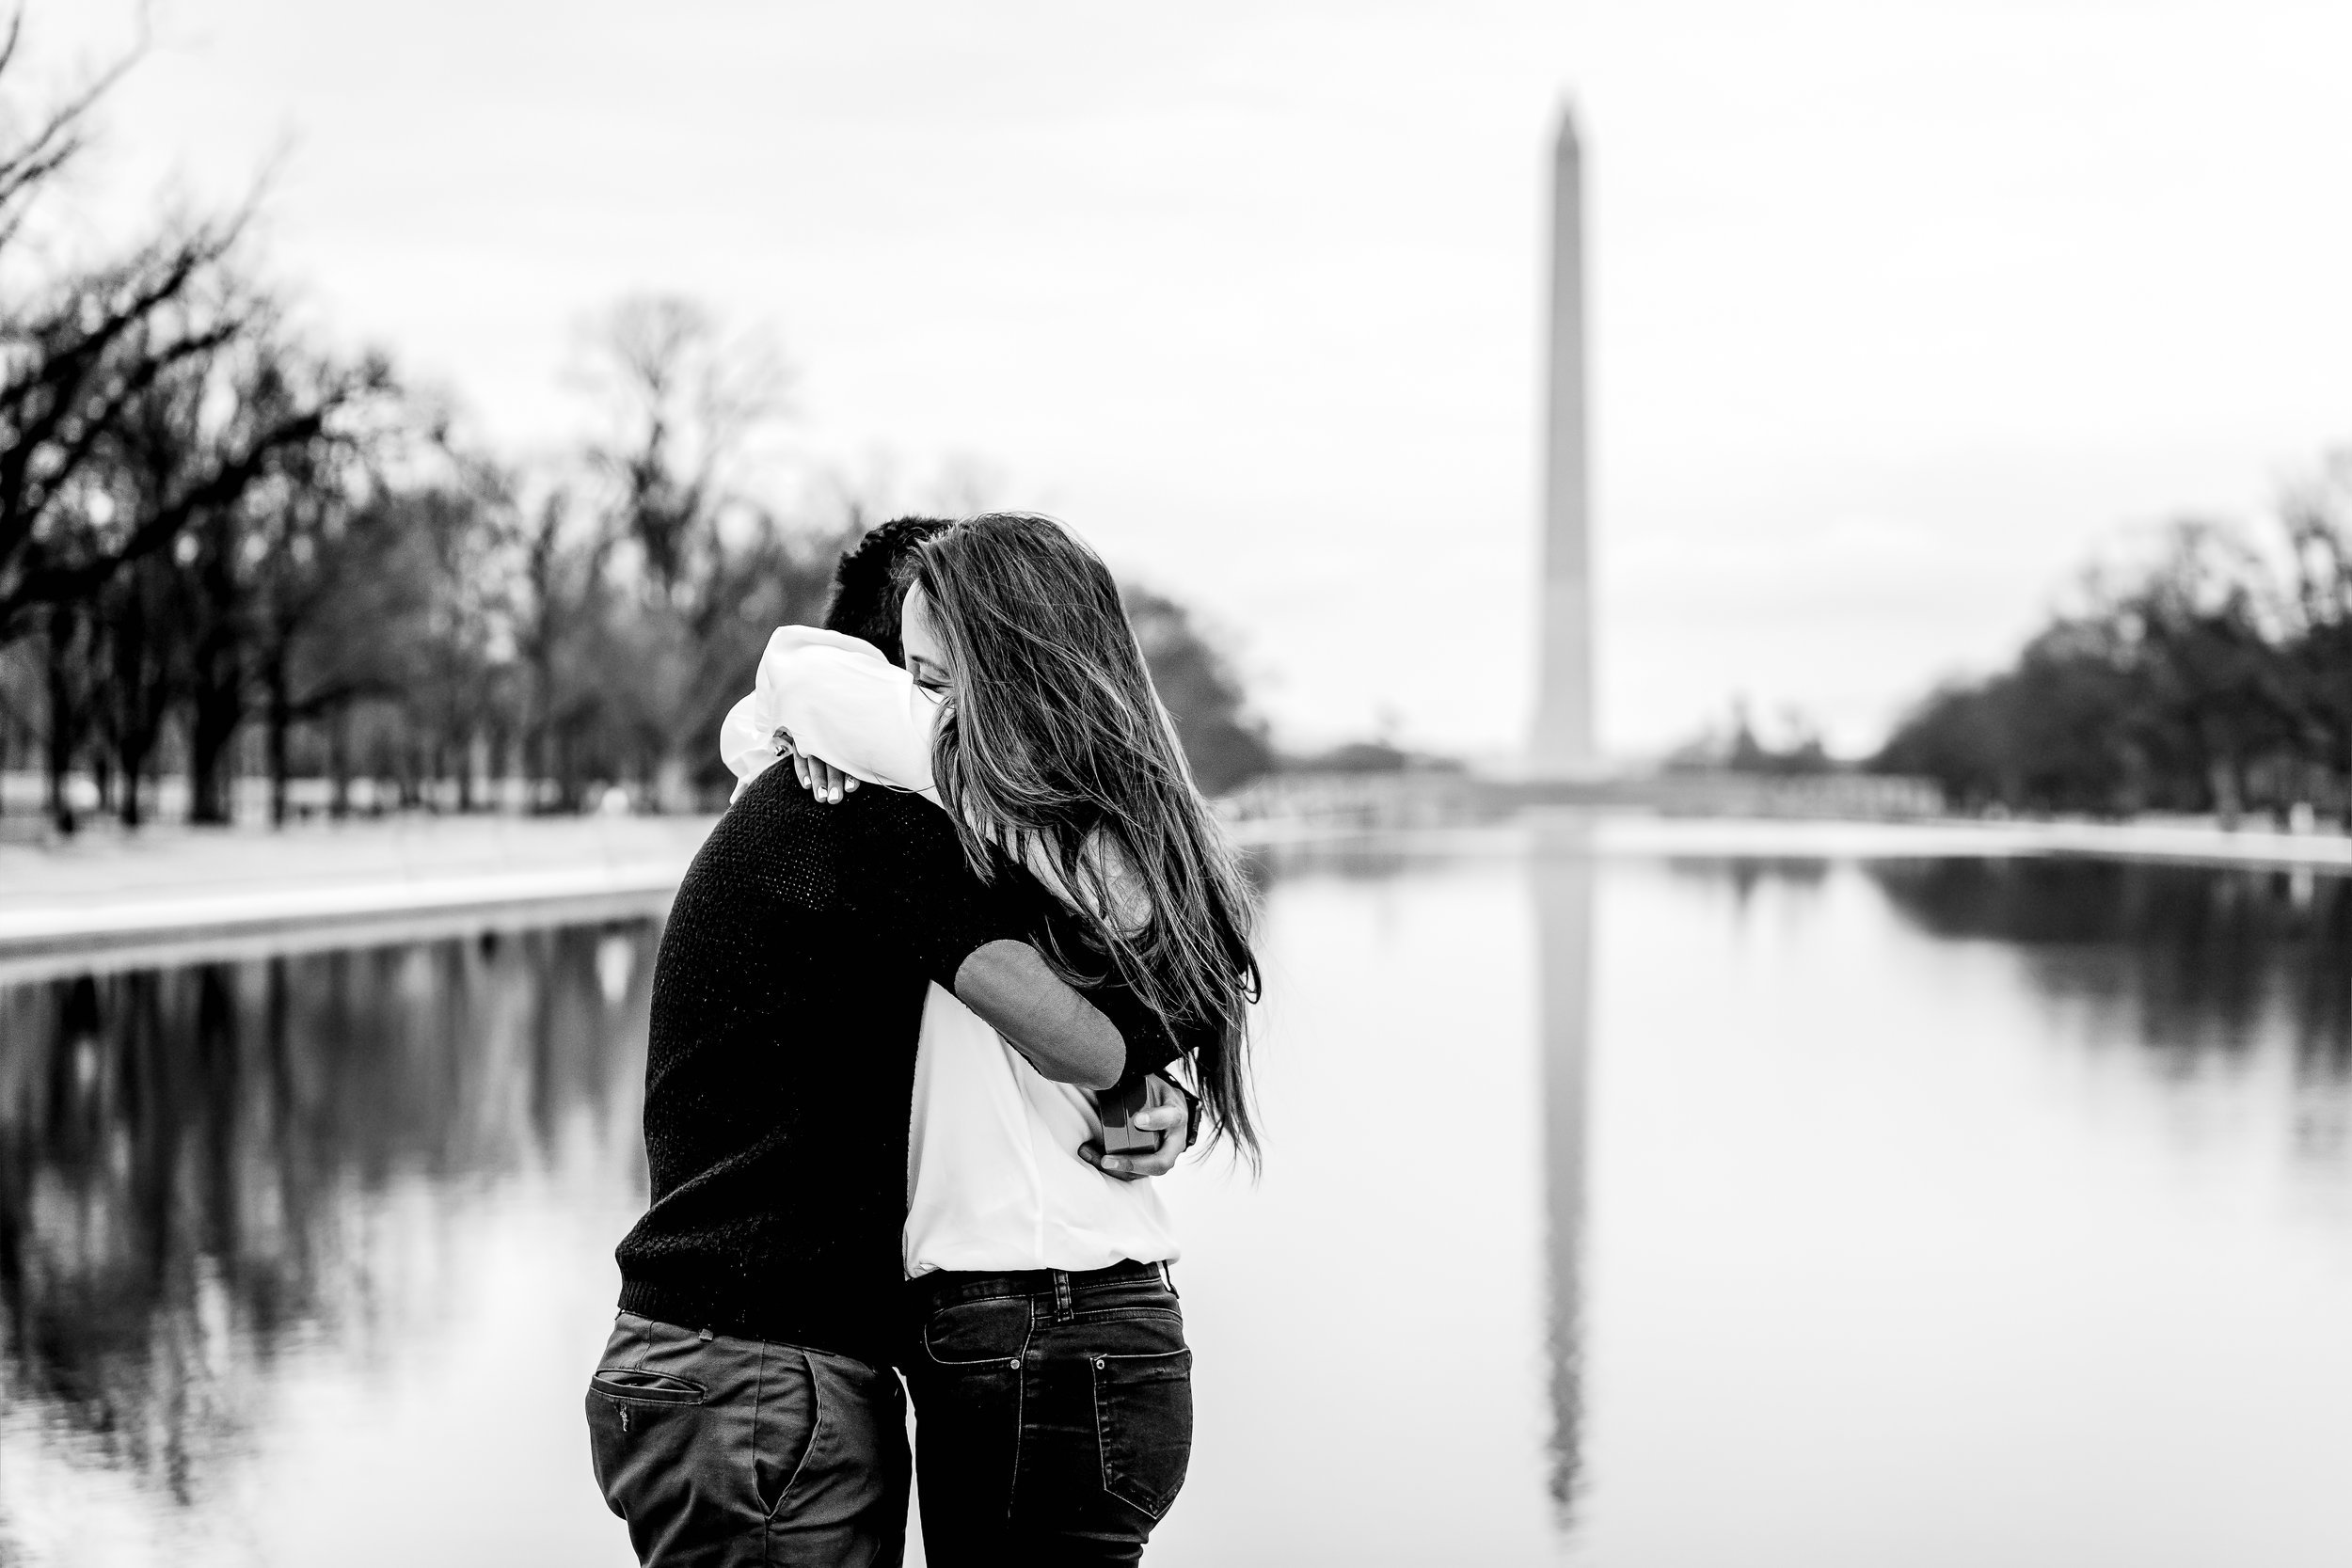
(870, 583)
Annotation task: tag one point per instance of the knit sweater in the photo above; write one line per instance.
(787, 1002)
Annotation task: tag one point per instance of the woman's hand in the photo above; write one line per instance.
(1165, 1113)
(821, 778)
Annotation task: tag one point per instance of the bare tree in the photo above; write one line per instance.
(686, 405)
(91, 365)
(294, 423)
(684, 399)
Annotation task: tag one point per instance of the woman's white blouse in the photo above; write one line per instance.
(841, 699)
(994, 1178)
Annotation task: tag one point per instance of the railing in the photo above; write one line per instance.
(1431, 797)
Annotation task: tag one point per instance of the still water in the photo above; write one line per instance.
(1621, 1209)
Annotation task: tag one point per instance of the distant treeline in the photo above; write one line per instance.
(2219, 679)
(227, 550)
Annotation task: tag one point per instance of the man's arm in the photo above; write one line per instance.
(1065, 1037)
(905, 879)
(972, 939)
(1068, 1039)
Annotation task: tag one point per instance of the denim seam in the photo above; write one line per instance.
(938, 1360)
(759, 1410)
(644, 1344)
(1020, 1415)
(815, 1433)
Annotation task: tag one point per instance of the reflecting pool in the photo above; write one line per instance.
(1620, 1209)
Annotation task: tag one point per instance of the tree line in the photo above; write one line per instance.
(227, 553)
(2215, 679)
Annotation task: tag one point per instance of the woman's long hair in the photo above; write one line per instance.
(1058, 751)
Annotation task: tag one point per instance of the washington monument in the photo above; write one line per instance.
(1562, 741)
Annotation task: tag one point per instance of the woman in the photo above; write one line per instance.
(1047, 1358)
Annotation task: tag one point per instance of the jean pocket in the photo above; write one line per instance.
(978, 1333)
(644, 1388)
(1143, 1421)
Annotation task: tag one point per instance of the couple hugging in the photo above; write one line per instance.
(915, 1052)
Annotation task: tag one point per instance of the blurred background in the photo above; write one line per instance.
(1887, 1099)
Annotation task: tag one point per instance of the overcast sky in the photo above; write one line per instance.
(1900, 311)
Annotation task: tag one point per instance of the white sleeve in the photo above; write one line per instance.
(840, 701)
(746, 744)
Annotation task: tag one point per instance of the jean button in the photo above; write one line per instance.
(1014, 1363)
(1101, 1362)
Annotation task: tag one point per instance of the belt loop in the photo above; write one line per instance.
(1061, 1296)
(1167, 1281)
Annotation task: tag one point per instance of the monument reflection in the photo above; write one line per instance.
(1562, 886)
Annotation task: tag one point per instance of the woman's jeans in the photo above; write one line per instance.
(1053, 1412)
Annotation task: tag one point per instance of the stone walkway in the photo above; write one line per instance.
(120, 896)
(110, 889)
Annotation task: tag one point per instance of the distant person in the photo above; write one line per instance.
(744, 1410)
(1047, 1358)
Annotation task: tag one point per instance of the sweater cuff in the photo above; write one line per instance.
(1192, 1107)
(1148, 1043)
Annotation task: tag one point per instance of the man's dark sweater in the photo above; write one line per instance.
(787, 1002)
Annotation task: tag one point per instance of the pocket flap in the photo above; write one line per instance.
(634, 1382)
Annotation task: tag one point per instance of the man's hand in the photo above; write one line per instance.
(1165, 1113)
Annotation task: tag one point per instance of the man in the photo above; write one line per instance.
(744, 1410)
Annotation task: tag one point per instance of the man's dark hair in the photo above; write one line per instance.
(869, 586)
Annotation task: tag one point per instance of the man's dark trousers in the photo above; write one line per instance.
(721, 1450)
